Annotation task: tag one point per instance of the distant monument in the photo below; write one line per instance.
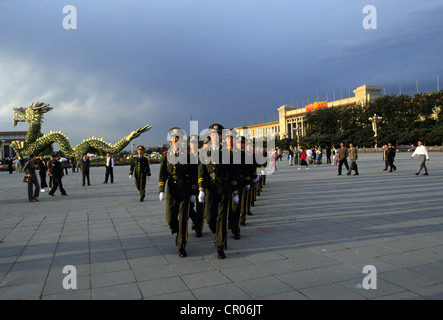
(35, 142)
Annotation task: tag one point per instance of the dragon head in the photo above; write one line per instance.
(30, 115)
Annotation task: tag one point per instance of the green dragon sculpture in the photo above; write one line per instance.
(35, 142)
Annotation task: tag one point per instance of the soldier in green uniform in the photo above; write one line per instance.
(216, 180)
(196, 214)
(140, 169)
(248, 174)
(242, 173)
(252, 170)
(174, 172)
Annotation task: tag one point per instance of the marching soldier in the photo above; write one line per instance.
(254, 178)
(242, 172)
(216, 180)
(175, 171)
(140, 169)
(196, 214)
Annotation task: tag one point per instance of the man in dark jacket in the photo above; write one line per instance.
(343, 158)
(390, 156)
(57, 175)
(84, 167)
(42, 169)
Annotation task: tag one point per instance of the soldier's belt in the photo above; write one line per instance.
(215, 175)
(176, 177)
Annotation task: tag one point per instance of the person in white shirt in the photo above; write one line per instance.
(109, 168)
(309, 155)
(423, 156)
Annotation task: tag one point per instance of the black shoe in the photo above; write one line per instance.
(198, 234)
(237, 236)
(182, 252)
(243, 224)
(416, 174)
(339, 174)
(348, 174)
(221, 254)
(426, 174)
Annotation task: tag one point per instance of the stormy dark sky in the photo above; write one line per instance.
(136, 62)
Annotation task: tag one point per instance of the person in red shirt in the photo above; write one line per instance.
(303, 159)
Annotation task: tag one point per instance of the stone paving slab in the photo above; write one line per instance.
(310, 236)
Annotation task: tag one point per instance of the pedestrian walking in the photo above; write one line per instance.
(109, 164)
(385, 156)
(353, 156)
(42, 170)
(33, 186)
(303, 159)
(309, 156)
(57, 175)
(342, 158)
(49, 166)
(84, 164)
(291, 156)
(390, 157)
(319, 155)
(334, 153)
(328, 154)
(65, 164)
(422, 153)
(10, 162)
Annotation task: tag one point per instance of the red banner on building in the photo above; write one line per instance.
(316, 105)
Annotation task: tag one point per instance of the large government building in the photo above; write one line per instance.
(5, 142)
(292, 120)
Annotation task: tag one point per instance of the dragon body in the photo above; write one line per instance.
(35, 142)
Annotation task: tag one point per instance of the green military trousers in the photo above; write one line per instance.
(217, 199)
(177, 211)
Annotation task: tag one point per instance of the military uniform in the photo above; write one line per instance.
(249, 198)
(140, 169)
(196, 214)
(243, 175)
(175, 175)
(216, 180)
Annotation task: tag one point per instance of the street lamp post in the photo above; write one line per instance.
(374, 120)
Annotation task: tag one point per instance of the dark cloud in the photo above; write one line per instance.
(130, 63)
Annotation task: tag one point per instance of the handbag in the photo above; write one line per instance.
(27, 179)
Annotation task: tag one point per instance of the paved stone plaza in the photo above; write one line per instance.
(310, 237)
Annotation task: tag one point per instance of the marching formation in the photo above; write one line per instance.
(216, 180)
(219, 191)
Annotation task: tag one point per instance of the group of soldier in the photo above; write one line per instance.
(216, 191)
